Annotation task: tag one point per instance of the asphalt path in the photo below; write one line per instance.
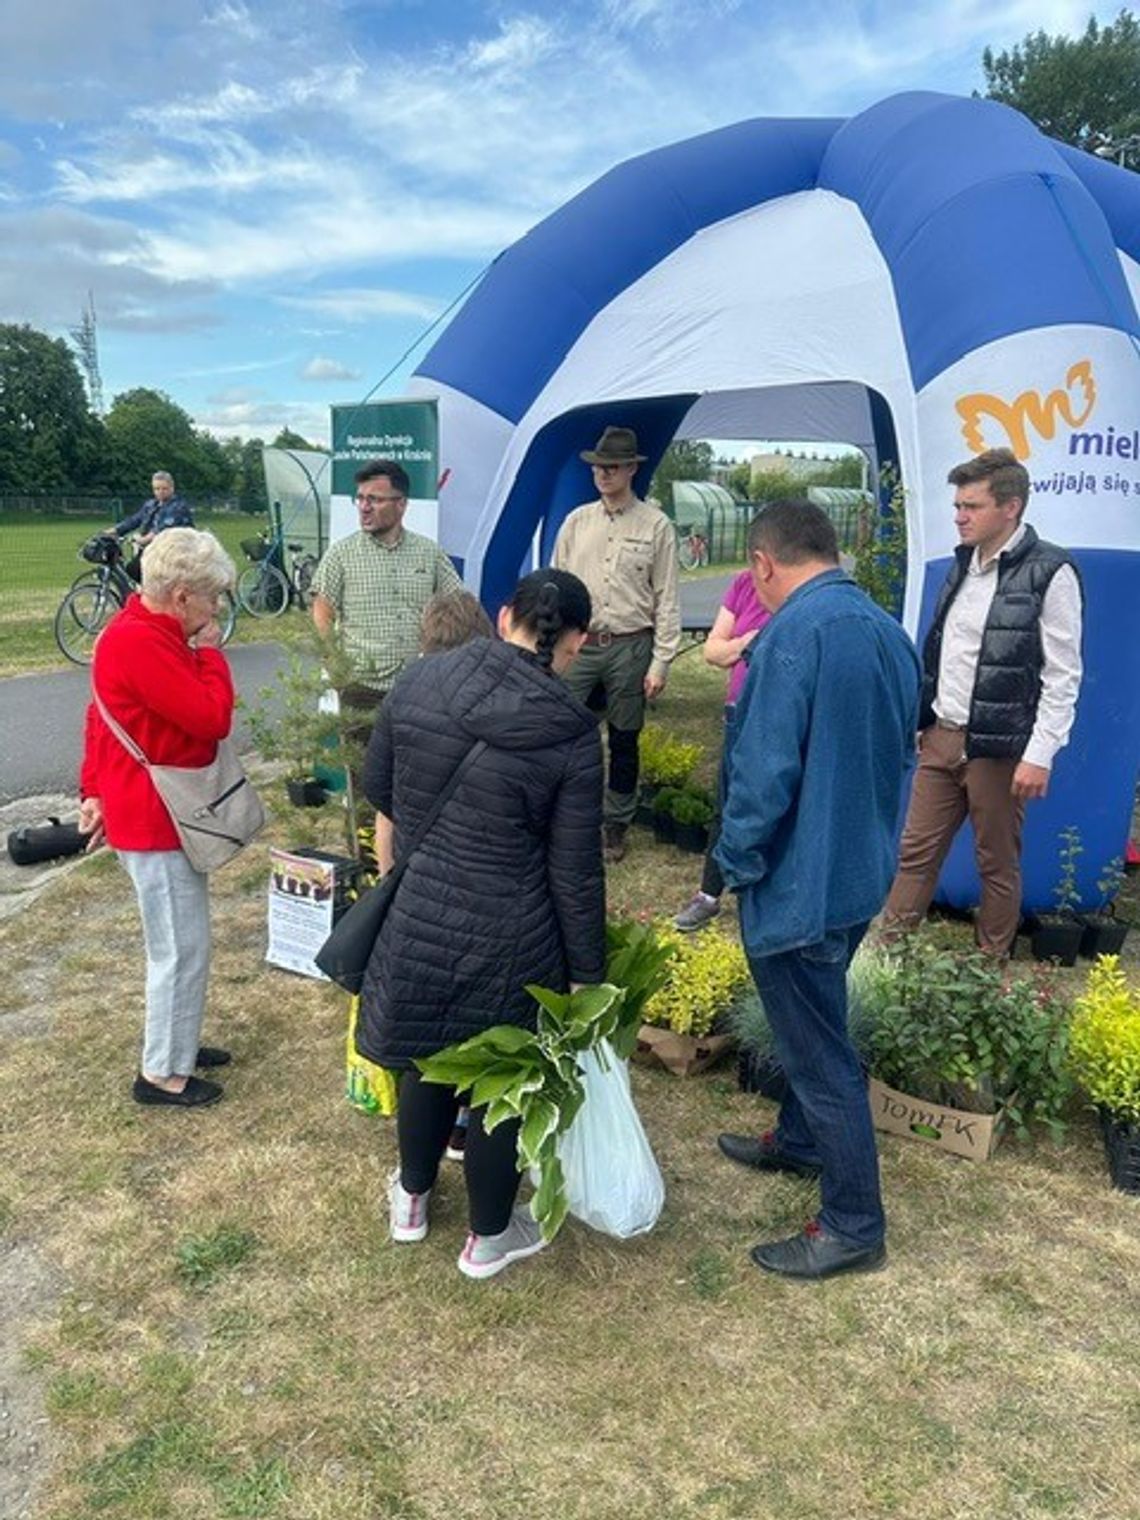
(41, 720)
(41, 715)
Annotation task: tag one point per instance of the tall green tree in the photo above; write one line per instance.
(1083, 90)
(682, 460)
(288, 439)
(147, 431)
(48, 435)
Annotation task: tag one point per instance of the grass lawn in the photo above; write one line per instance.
(236, 1336)
(39, 559)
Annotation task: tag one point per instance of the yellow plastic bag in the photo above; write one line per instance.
(368, 1087)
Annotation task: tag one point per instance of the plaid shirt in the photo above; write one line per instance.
(379, 592)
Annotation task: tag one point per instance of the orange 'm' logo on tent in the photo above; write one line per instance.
(1029, 412)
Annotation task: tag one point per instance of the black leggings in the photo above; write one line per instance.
(424, 1119)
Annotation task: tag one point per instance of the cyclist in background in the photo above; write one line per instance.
(164, 509)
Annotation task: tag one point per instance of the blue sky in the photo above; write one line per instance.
(270, 202)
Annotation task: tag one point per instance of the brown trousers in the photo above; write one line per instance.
(947, 788)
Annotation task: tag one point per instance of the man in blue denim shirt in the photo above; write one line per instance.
(163, 510)
(825, 732)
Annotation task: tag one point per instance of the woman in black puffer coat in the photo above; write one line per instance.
(507, 887)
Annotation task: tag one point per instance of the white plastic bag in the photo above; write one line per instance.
(613, 1183)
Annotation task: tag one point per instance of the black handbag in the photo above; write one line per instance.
(345, 954)
(28, 847)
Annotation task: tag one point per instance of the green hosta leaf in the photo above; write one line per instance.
(540, 1123)
(497, 1113)
(555, 1003)
(511, 1083)
(549, 1204)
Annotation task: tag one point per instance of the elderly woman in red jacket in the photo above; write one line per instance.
(160, 673)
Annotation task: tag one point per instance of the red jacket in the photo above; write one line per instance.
(175, 702)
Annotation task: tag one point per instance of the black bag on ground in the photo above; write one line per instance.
(51, 841)
(345, 954)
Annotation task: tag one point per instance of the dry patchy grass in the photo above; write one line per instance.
(315, 1371)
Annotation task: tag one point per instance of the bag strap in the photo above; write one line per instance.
(118, 730)
(425, 823)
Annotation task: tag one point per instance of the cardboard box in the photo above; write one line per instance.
(956, 1130)
(682, 1054)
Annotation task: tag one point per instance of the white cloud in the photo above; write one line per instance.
(320, 368)
(265, 419)
(364, 304)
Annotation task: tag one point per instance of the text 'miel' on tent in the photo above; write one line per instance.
(926, 280)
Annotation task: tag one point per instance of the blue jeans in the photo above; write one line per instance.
(825, 1117)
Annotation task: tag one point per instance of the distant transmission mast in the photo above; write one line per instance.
(86, 340)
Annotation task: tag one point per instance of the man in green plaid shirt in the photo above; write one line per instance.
(371, 587)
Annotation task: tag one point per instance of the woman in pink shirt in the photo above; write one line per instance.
(739, 619)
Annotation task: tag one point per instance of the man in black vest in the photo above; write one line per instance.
(1001, 673)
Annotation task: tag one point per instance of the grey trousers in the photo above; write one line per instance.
(174, 903)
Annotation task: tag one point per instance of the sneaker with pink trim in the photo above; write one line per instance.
(485, 1255)
(407, 1212)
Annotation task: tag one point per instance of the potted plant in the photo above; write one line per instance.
(758, 1068)
(663, 760)
(685, 1020)
(960, 1046)
(1104, 1047)
(692, 816)
(1104, 933)
(286, 724)
(664, 824)
(1057, 935)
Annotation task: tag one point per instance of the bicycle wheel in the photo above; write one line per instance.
(262, 590)
(687, 556)
(83, 614)
(303, 571)
(227, 615)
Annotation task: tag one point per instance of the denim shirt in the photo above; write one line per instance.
(823, 743)
(154, 515)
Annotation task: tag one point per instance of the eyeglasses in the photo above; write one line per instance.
(374, 501)
(610, 469)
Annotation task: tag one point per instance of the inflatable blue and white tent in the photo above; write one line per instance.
(928, 279)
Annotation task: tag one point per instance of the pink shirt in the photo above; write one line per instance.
(747, 614)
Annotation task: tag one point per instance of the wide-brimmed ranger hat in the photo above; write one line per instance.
(617, 445)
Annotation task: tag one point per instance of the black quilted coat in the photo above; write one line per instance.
(508, 886)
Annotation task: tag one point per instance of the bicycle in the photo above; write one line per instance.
(692, 548)
(96, 595)
(263, 588)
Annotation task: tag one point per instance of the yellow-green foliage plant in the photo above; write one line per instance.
(1104, 1043)
(665, 761)
(706, 976)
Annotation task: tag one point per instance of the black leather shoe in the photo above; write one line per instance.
(196, 1094)
(814, 1254)
(212, 1055)
(762, 1152)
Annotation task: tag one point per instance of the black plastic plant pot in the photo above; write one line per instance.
(1103, 935)
(664, 827)
(306, 793)
(693, 837)
(760, 1072)
(1057, 940)
(1122, 1148)
(644, 815)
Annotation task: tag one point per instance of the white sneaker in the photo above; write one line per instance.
(407, 1212)
(484, 1255)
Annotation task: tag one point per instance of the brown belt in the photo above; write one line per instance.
(604, 638)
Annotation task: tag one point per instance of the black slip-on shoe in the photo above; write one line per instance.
(762, 1152)
(212, 1055)
(814, 1254)
(196, 1094)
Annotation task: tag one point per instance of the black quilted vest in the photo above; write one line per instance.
(1007, 683)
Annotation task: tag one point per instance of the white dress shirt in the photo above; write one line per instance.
(1060, 641)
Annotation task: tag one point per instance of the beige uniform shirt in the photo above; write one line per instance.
(628, 560)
